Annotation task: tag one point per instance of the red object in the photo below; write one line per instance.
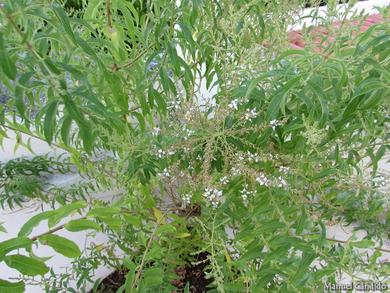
(320, 33)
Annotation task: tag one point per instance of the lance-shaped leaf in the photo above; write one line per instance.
(61, 245)
(13, 244)
(33, 222)
(8, 287)
(50, 121)
(81, 224)
(64, 211)
(26, 265)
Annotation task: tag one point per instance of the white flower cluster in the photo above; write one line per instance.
(249, 156)
(234, 104)
(277, 279)
(272, 157)
(281, 182)
(187, 198)
(253, 157)
(275, 123)
(250, 114)
(175, 105)
(187, 132)
(235, 171)
(189, 113)
(160, 153)
(284, 169)
(156, 131)
(224, 180)
(294, 252)
(164, 173)
(245, 193)
(213, 196)
(262, 179)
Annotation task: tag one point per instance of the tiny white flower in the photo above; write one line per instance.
(250, 114)
(277, 279)
(165, 173)
(224, 180)
(282, 182)
(245, 193)
(160, 153)
(253, 157)
(187, 199)
(284, 169)
(235, 171)
(188, 115)
(275, 123)
(213, 196)
(156, 131)
(290, 252)
(262, 179)
(233, 105)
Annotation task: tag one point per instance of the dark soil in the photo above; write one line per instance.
(193, 275)
(112, 282)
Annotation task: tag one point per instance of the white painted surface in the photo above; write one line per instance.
(14, 220)
(39, 147)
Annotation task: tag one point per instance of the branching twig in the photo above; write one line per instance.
(60, 146)
(108, 13)
(345, 242)
(51, 231)
(139, 272)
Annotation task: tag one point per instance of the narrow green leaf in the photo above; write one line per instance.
(7, 64)
(60, 13)
(61, 245)
(303, 268)
(153, 277)
(51, 66)
(8, 287)
(19, 101)
(103, 212)
(65, 211)
(365, 243)
(66, 128)
(74, 111)
(80, 225)
(50, 121)
(33, 222)
(278, 98)
(289, 53)
(26, 265)
(13, 244)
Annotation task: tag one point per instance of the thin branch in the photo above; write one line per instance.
(136, 58)
(60, 146)
(108, 13)
(139, 272)
(51, 231)
(345, 242)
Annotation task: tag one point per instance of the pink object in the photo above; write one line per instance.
(320, 33)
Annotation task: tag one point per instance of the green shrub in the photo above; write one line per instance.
(249, 178)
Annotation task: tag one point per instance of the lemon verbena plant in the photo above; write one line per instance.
(229, 151)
